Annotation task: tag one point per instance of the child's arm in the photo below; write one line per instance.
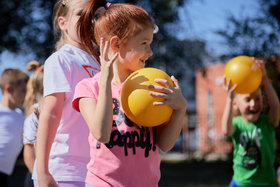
(168, 133)
(48, 123)
(272, 98)
(29, 156)
(227, 127)
(99, 114)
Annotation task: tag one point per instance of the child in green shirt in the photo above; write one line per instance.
(253, 134)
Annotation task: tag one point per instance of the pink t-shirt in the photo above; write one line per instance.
(131, 157)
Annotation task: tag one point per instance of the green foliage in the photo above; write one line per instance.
(27, 29)
(26, 26)
(254, 36)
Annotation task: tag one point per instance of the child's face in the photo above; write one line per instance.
(17, 95)
(137, 50)
(74, 14)
(250, 105)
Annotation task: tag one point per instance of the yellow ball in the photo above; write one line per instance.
(245, 72)
(136, 101)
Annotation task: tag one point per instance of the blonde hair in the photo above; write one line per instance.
(34, 85)
(13, 77)
(61, 8)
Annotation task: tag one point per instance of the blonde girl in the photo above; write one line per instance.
(62, 146)
(33, 95)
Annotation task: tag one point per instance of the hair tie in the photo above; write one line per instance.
(107, 5)
(101, 10)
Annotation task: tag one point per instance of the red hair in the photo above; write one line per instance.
(121, 20)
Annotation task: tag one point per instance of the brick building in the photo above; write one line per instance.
(210, 101)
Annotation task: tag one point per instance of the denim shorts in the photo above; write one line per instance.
(233, 184)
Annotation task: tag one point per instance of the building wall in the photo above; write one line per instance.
(210, 100)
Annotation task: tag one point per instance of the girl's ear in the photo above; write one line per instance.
(62, 23)
(115, 43)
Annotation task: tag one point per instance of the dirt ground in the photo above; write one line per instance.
(184, 173)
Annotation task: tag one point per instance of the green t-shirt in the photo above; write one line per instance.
(253, 154)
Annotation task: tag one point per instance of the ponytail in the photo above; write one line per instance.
(86, 25)
(34, 85)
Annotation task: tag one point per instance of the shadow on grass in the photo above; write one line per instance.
(184, 173)
(195, 174)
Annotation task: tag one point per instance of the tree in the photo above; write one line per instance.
(26, 24)
(26, 27)
(254, 36)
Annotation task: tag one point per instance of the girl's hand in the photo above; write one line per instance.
(105, 61)
(172, 95)
(226, 87)
(47, 180)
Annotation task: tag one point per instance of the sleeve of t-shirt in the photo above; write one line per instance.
(30, 129)
(265, 120)
(234, 121)
(236, 131)
(85, 88)
(57, 74)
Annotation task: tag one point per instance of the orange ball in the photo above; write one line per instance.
(245, 73)
(136, 101)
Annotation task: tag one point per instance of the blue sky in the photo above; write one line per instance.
(199, 19)
(206, 16)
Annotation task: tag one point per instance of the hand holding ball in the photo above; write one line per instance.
(137, 102)
(245, 73)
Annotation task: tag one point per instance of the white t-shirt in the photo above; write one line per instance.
(70, 150)
(30, 127)
(11, 127)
